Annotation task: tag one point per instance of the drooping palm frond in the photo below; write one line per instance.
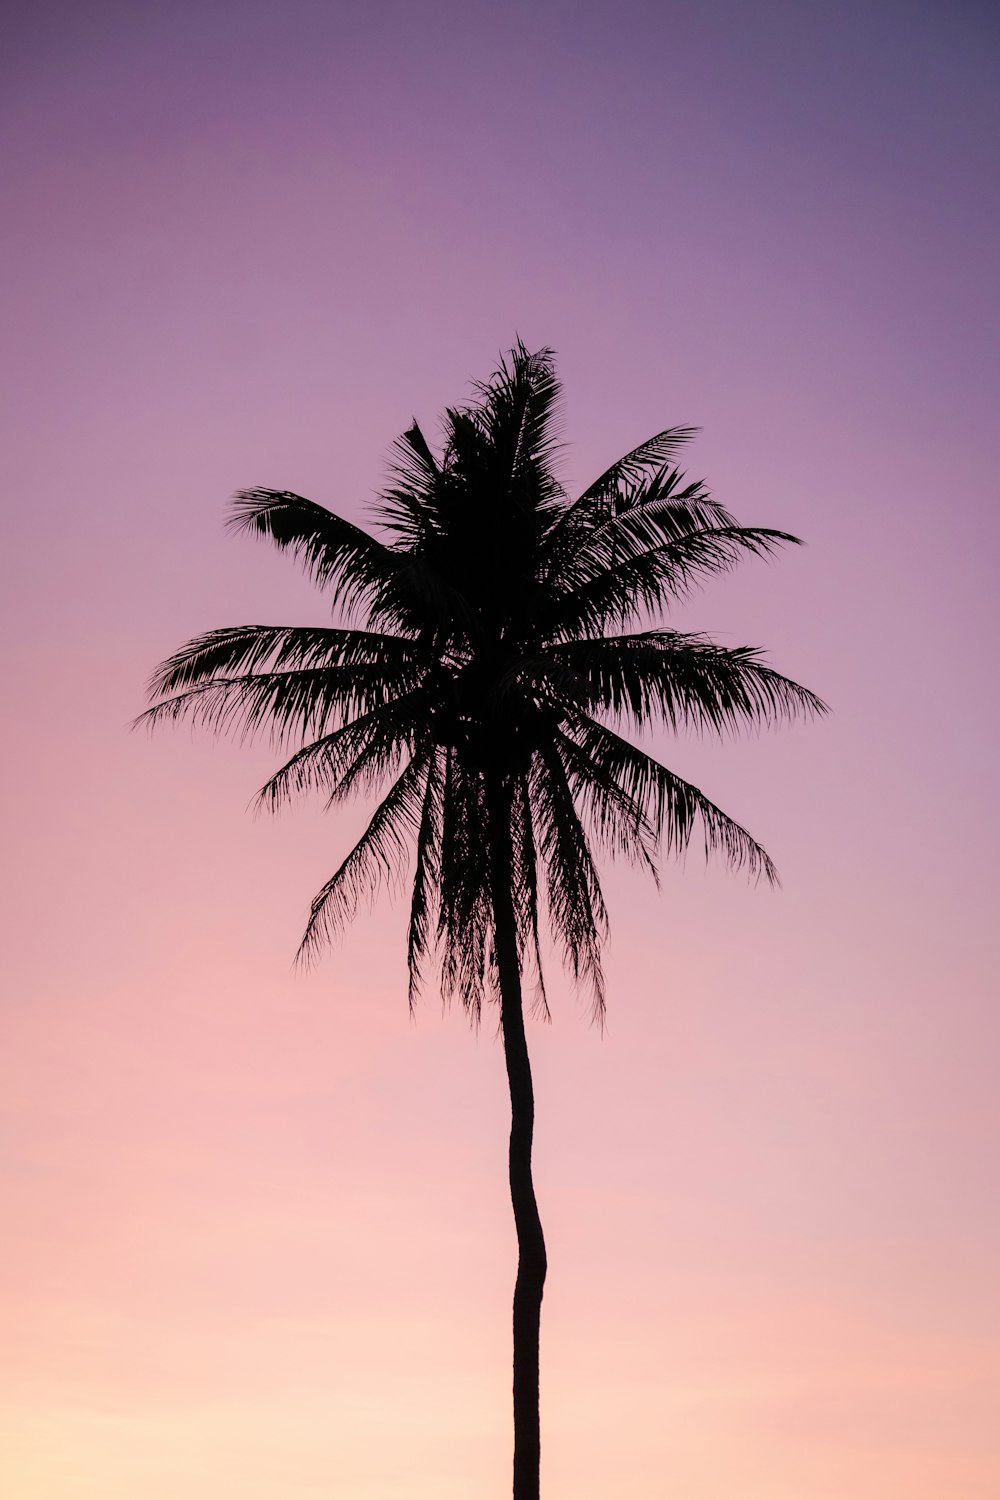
(620, 822)
(394, 590)
(336, 554)
(526, 892)
(421, 938)
(286, 705)
(393, 733)
(683, 680)
(250, 648)
(574, 898)
(380, 857)
(673, 806)
(359, 752)
(291, 681)
(464, 908)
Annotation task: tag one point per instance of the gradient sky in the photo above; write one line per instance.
(257, 1239)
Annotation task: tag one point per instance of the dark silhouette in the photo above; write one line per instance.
(485, 691)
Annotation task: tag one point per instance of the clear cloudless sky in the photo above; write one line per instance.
(257, 1239)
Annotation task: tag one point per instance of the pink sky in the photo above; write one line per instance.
(257, 1237)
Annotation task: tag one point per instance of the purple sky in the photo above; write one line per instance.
(260, 1236)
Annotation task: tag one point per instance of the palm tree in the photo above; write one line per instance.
(494, 640)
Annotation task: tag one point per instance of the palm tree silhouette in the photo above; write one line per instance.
(496, 637)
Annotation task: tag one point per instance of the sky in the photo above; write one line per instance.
(257, 1239)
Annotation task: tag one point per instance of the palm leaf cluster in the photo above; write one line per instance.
(498, 641)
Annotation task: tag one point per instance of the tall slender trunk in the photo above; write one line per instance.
(531, 1261)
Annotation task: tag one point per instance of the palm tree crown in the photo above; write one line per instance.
(498, 629)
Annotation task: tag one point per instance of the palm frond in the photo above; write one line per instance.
(414, 460)
(408, 507)
(627, 476)
(518, 410)
(358, 751)
(685, 680)
(669, 504)
(420, 940)
(646, 572)
(637, 465)
(395, 590)
(673, 806)
(526, 903)
(620, 821)
(287, 705)
(464, 910)
(573, 889)
(337, 555)
(249, 648)
(379, 858)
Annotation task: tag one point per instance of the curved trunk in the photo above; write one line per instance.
(531, 1262)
